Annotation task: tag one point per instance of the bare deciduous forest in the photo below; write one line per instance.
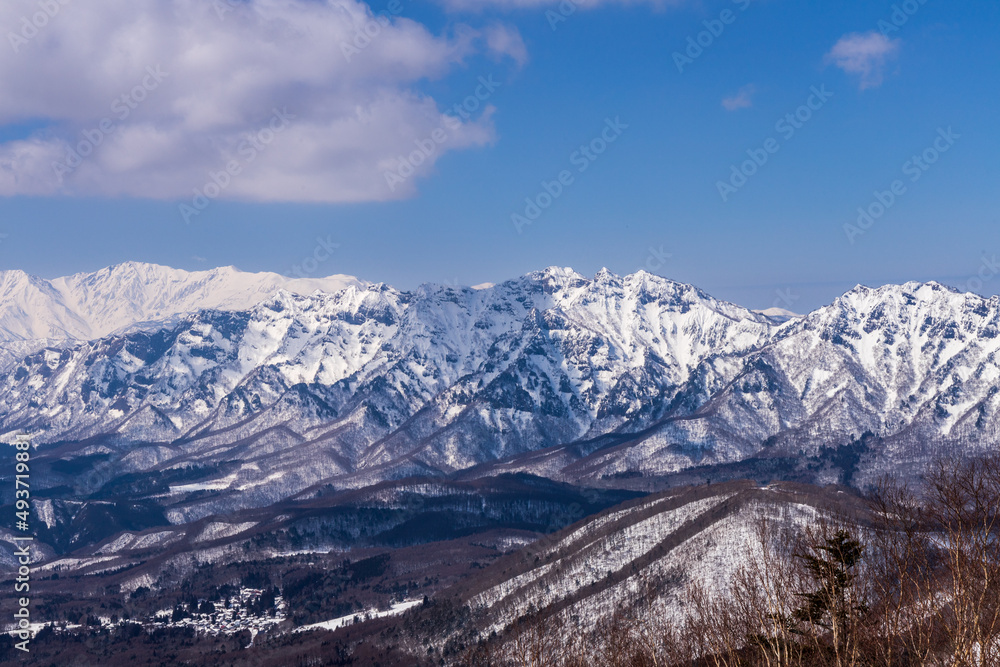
(909, 576)
(917, 582)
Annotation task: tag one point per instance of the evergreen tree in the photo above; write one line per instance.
(832, 606)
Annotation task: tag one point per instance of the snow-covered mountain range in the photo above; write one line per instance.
(85, 306)
(586, 380)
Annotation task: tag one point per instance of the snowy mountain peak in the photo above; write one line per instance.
(12, 277)
(86, 306)
(558, 278)
(910, 296)
(926, 290)
(604, 275)
(779, 315)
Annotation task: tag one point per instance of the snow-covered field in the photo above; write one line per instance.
(361, 617)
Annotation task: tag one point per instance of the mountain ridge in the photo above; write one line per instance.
(581, 380)
(90, 305)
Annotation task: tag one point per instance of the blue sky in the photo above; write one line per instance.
(650, 199)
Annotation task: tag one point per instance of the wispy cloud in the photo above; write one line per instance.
(741, 100)
(864, 55)
(506, 41)
(348, 76)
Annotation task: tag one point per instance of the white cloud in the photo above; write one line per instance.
(742, 99)
(198, 76)
(503, 39)
(864, 55)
